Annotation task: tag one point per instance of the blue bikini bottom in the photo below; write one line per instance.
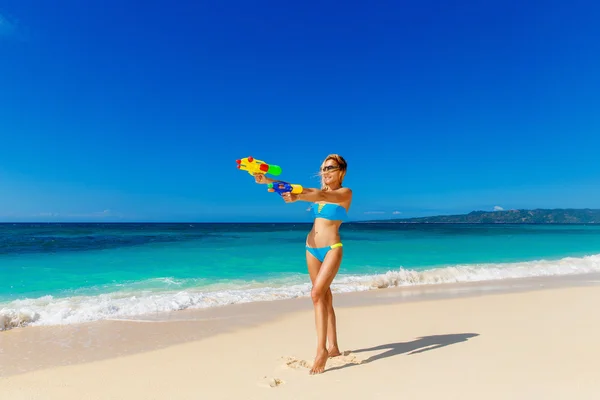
(320, 252)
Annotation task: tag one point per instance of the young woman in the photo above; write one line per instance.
(324, 249)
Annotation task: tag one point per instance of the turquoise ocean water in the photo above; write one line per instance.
(70, 273)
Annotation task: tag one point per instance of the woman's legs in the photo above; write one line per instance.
(314, 265)
(320, 294)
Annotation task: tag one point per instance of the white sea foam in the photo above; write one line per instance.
(48, 310)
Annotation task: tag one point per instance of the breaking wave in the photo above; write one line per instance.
(171, 294)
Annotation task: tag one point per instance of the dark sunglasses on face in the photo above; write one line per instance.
(330, 168)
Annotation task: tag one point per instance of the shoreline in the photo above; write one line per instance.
(33, 348)
(131, 305)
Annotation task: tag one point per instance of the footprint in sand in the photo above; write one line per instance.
(268, 381)
(344, 359)
(295, 363)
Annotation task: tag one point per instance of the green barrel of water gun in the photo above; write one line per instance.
(274, 170)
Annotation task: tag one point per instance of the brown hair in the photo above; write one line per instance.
(341, 162)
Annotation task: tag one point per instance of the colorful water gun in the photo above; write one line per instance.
(254, 166)
(284, 187)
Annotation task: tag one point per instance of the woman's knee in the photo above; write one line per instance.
(318, 295)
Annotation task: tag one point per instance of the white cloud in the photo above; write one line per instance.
(94, 214)
(498, 208)
(7, 28)
(397, 212)
(47, 214)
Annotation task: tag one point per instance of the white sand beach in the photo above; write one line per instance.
(538, 341)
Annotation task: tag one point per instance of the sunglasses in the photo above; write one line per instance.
(330, 168)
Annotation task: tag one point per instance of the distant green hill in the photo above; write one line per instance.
(538, 216)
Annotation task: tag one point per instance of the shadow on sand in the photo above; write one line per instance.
(419, 345)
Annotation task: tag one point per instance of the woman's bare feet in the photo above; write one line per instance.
(320, 361)
(334, 351)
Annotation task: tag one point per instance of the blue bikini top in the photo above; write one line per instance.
(329, 211)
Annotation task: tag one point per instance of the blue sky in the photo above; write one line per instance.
(131, 111)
